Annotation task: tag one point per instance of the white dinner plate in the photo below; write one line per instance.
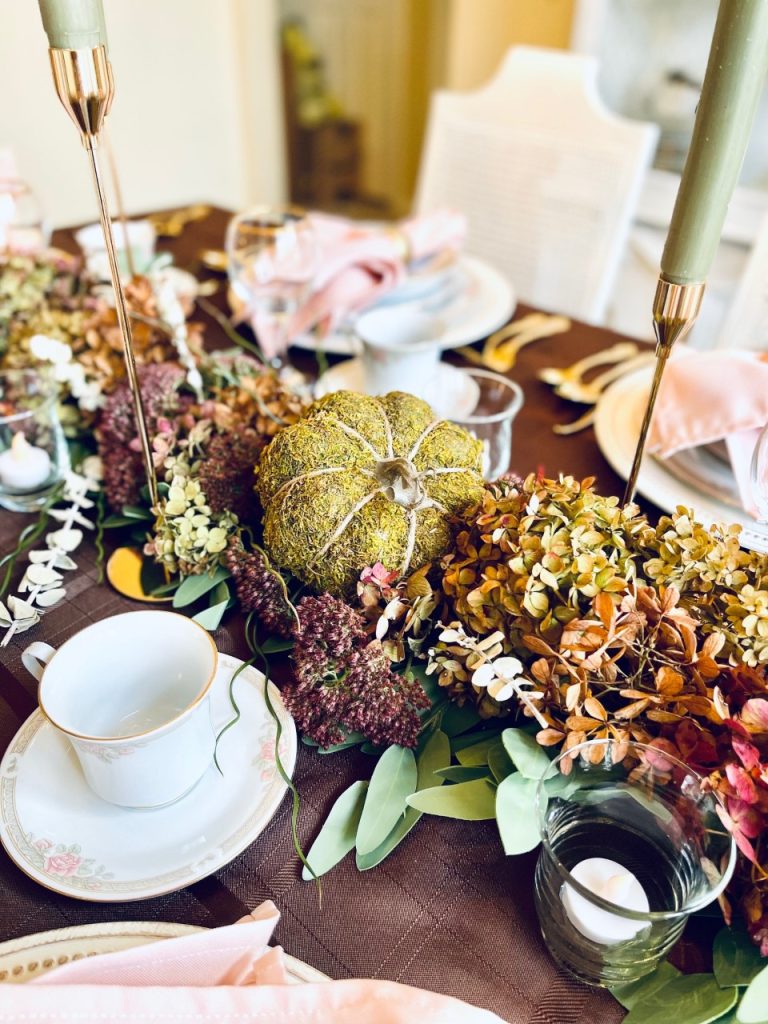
(618, 417)
(26, 958)
(474, 303)
(69, 840)
(451, 392)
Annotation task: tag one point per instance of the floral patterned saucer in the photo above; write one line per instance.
(69, 840)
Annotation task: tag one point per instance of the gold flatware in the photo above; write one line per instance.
(556, 375)
(500, 351)
(584, 421)
(214, 259)
(502, 348)
(589, 392)
(172, 223)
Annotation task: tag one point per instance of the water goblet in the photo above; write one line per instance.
(271, 259)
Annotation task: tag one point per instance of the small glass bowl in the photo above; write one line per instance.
(34, 456)
(499, 400)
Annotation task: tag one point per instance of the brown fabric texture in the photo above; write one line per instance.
(447, 911)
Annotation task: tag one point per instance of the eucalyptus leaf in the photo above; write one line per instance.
(468, 739)
(192, 588)
(500, 762)
(753, 1008)
(435, 754)
(456, 720)
(736, 959)
(154, 578)
(636, 991)
(394, 779)
(276, 645)
(337, 836)
(689, 999)
(530, 759)
(135, 512)
(516, 814)
(116, 520)
(468, 801)
(477, 754)
(210, 618)
(461, 773)
(352, 740)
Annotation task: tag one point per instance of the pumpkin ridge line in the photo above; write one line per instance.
(337, 533)
(411, 543)
(308, 476)
(388, 431)
(422, 438)
(351, 432)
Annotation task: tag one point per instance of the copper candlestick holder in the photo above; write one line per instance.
(675, 308)
(85, 86)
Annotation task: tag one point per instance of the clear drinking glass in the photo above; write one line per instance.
(271, 258)
(759, 476)
(629, 851)
(33, 451)
(499, 400)
(22, 226)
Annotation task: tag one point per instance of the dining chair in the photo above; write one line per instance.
(547, 175)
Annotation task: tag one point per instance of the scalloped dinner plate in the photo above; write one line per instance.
(26, 958)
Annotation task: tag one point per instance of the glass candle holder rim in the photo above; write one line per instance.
(650, 916)
(46, 374)
(496, 417)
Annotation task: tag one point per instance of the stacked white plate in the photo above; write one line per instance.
(699, 478)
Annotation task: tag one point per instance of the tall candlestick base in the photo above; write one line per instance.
(675, 309)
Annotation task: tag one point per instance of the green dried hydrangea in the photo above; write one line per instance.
(189, 537)
(727, 586)
(535, 552)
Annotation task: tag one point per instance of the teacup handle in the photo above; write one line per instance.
(36, 657)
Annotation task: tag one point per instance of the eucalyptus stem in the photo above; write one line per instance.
(98, 539)
(225, 324)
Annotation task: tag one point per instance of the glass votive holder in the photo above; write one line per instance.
(33, 451)
(23, 230)
(631, 846)
(499, 400)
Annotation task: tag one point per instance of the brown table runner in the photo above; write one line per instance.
(447, 911)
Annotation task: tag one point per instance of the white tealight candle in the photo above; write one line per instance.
(614, 883)
(24, 466)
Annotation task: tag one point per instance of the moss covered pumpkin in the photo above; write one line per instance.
(361, 480)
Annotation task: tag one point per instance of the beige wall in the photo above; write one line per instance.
(196, 114)
(479, 32)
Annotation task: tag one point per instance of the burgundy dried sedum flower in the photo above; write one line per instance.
(116, 431)
(344, 682)
(259, 589)
(226, 472)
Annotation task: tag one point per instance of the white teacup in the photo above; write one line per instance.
(131, 694)
(401, 350)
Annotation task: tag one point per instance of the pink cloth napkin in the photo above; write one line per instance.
(711, 396)
(357, 264)
(222, 976)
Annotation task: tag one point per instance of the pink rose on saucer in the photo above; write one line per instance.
(43, 844)
(64, 864)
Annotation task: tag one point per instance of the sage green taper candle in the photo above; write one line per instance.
(736, 72)
(73, 24)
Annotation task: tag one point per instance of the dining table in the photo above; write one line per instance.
(447, 911)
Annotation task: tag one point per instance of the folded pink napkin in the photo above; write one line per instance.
(357, 264)
(711, 396)
(222, 976)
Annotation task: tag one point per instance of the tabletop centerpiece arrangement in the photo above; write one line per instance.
(522, 649)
